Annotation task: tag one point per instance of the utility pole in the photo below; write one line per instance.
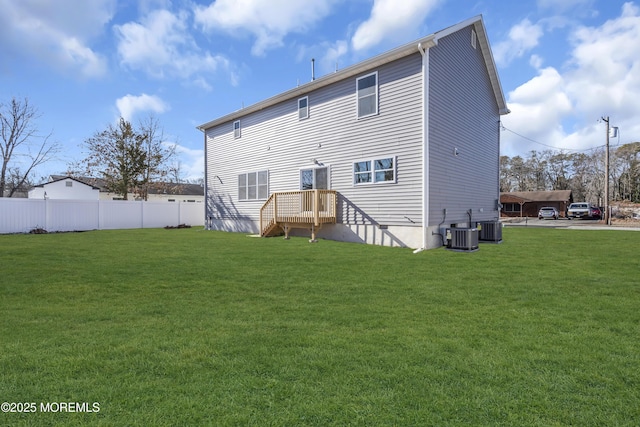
(607, 218)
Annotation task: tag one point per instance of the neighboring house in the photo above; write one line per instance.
(158, 192)
(65, 187)
(528, 203)
(22, 192)
(390, 151)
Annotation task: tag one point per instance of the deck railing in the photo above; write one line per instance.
(304, 208)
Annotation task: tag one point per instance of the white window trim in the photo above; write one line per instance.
(306, 116)
(237, 133)
(373, 172)
(376, 94)
(257, 172)
(328, 167)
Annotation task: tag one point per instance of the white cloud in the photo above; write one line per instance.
(538, 108)
(391, 19)
(161, 46)
(269, 21)
(327, 55)
(523, 37)
(48, 32)
(563, 5)
(190, 161)
(129, 105)
(601, 78)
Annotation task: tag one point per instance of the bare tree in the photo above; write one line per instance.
(627, 168)
(22, 148)
(159, 153)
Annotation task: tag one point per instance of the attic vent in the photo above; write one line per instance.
(473, 38)
(69, 183)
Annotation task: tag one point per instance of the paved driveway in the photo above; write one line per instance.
(592, 224)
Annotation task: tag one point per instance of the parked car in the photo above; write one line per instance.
(579, 210)
(548, 212)
(596, 212)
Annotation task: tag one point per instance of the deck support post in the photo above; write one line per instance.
(313, 234)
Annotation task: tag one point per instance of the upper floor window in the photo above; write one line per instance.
(303, 108)
(253, 185)
(375, 171)
(367, 87)
(236, 129)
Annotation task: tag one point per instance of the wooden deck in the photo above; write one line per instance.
(308, 209)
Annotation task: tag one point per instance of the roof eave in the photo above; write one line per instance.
(328, 79)
(392, 55)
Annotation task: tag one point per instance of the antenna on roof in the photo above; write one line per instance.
(313, 69)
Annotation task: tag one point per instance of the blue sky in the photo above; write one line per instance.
(563, 64)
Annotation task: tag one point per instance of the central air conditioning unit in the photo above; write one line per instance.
(491, 231)
(462, 239)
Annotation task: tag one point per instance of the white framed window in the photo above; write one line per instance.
(314, 178)
(253, 185)
(236, 129)
(375, 171)
(367, 95)
(303, 108)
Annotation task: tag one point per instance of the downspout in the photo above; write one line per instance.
(207, 226)
(425, 146)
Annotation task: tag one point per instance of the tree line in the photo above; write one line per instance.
(582, 173)
(129, 158)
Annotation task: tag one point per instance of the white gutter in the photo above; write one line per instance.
(206, 185)
(425, 142)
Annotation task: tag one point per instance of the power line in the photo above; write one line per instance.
(554, 147)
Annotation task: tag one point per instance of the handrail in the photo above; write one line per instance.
(312, 207)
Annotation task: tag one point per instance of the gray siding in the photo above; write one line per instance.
(274, 139)
(463, 115)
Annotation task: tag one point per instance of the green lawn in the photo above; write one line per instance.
(190, 327)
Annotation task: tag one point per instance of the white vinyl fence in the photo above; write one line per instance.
(24, 215)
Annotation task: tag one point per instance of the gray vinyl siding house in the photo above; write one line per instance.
(408, 140)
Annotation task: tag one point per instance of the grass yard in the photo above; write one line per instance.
(189, 327)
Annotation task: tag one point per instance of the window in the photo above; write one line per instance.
(512, 207)
(69, 183)
(367, 87)
(253, 185)
(314, 178)
(236, 129)
(375, 171)
(303, 108)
